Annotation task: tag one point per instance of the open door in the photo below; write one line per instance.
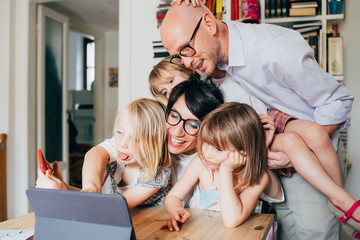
(52, 89)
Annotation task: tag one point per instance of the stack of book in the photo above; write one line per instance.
(311, 33)
(162, 9)
(216, 7)
(303, 8)
(159, 52)
(276, 8)
(307, 28)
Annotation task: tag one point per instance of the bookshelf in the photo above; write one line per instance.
(326, 23)
(323, 16)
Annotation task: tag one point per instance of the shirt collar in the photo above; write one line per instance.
(236, 52)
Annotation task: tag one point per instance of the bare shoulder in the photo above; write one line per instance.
(196, 162)
(196, 167)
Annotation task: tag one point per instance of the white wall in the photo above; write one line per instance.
(4, 64)
(110, 93)
(17, 94)
(350, 30)
(137, 28)
(144, 31)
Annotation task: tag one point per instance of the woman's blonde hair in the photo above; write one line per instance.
(157, 76)
(238, 125)
(148, 142)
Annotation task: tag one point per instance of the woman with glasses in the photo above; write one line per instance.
(188, 104)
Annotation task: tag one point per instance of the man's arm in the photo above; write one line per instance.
(278, 160)
(291, 62)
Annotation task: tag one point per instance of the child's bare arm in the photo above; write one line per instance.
(173, 201)
(93, 173)
(243, 204)
(136, 195)
(236, 208)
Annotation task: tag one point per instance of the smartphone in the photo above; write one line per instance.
(44, 164)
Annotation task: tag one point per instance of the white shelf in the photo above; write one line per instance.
(323, 17)
(335, 16)
(291, 19)
(303, 19)
(339, 78)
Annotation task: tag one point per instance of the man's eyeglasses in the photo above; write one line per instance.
(191, 126)
(187, 50)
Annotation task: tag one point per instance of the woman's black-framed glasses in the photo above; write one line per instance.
(191, 126)
(187, 50)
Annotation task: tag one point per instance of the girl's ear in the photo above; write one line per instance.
(210, 23)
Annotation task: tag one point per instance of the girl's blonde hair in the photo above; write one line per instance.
(157, 76)
(238, 125)
(148, 142)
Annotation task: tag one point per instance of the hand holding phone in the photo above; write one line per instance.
(44, 164)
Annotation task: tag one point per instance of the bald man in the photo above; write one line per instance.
(277, 66)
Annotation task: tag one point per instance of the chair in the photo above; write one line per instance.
(3, 199)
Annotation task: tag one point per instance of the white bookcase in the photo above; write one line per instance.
(325, 18)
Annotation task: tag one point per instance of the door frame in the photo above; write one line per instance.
(99, 86)
(42, 13)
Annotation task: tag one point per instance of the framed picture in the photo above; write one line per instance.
(113, 77)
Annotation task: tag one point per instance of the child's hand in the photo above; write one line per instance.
(195, 3)
(268, 124)
(56, 172)
(49, 181)
(235, 160)
(180, 216)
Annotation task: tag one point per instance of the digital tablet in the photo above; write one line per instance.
(61, 214)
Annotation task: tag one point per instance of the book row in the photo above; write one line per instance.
(291, 8)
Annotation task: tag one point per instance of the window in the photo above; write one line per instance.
(89, 63)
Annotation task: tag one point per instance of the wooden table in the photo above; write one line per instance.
(204, 224)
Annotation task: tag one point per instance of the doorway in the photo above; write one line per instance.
(80, 112)
(82, 98)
